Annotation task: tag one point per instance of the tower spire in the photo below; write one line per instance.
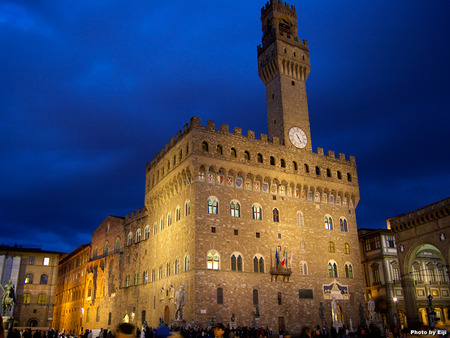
(283, 66)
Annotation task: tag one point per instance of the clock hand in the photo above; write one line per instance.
(299, 138)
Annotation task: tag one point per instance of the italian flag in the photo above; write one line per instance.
(283, 260)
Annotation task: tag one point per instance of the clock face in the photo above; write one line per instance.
(298, 137)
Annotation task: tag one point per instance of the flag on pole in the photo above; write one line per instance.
(283, 261)
(276, 257)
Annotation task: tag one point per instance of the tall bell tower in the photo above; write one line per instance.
(283, 66)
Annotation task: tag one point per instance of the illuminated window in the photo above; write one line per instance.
(147, 232)
(161, 224)
(97, 317)
(346, 248)
(155, 228)
(257, 212)
(136, 279)
(94, 253)
(42, 298)
(26, 298)
(127, 281)
(332, 269)
(235, 209)
(145, 277)
(29, 278)
(31, 260)
(160, 272)
(89, 290)
(328, 222)
(46, 261)
(177, 267)
(153, 275)
(331, 247)
(186, 263)
(105, 249)
(348, 271)
(169, 219)
(212, 260)
(213, 205)
(88, 314)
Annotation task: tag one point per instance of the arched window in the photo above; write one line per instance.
(348, 271)
(339, 175)
(26, 298)
(138, 235)
(147, 232)
(105, 249)
(258, 264)
(97, 316)
(260, 158)
(136, 279)
(328, 222)
(213, 205)
(272, 160)
(177, 267)
(331, 247)
(303, 268)
(294, 164)
(44, 279)
(219, 149)
(300, 221)
(130, 238)
(145, 277)
(343, 223)
(328, 172)
(349, 177)
(257, 212)
(187, 208)
(117, 245)
(205, 146)
(247, 155)
(276, 215)
(186, 263)
(89, 290)
(332, 269)
(236, 262)
(346, 248)
(177, 213)
(127, 281)
(235, 209)
(169, 219)
(317, 170)
(306, 168)
(29, 278)
(283, 163)
(212, 260)
(302, 245)
(233, 152)
(94, 254)
(42, 298)
(219, 296)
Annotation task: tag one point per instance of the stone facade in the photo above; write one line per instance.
(422, 237)
(34, 274)
(220, 207)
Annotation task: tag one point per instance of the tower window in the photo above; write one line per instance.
(233, 152)
(219, 150)
(317, 170)
(306, 168)
(283, 164)
(293, 83)
(272, 160)
(284, 50)
(294, 54)
(328, 172)
(295, 165)
(349, 177)
(260, 158)
(213, 230)
(273, 96)
(339, 175)
(236, 232)
(205, 146)
(247, 155)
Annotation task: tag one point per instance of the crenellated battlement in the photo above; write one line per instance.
(279, 5)
(262, 139)
(136, 214)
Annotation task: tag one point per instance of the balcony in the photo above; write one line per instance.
(280, 272)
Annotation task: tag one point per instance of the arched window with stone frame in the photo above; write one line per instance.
(187, 208)
(26, 298)
(44, 279)
(205, 146)
(343, 224)
(138, 235)
(177, 213)
(328, 222)
(236, 262)
(213, 260)
(346, 248)
(187, 262)
(147, 232)
(235, 208)
(332, 269)
(117, 245)
(276, 215)
(331, 248)
(213, 205)
(258, 264)
(300, 219)
(130, 238)
(256, 212)
(348, 270)
(303, 268)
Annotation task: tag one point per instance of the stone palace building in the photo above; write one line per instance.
(261, 228)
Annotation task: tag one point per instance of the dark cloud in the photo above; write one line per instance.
(91, 91)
